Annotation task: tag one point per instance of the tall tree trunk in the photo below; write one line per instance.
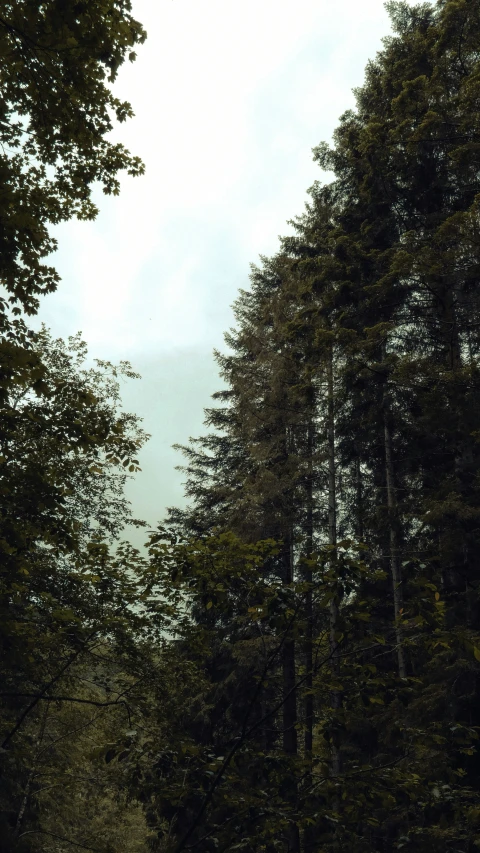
(308, 743)
(449, 324)
(395, 567)
(463, 580)
(359, 531)
(290, 745)
(309, 832)
(33, 769)
(289, 670)
(332, 540)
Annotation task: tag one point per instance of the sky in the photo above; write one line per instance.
(229, 98)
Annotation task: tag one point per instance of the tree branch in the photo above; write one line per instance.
(40, 695)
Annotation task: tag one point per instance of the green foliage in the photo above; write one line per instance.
(293, 665)
(351, 412)
(66, 447)
(57, 61)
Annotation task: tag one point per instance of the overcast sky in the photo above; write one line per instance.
(229, 98)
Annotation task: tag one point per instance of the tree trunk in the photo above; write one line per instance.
(309, 832)
(308, 743)
(462, 576)
(31, 775)
(336, 697)
(290, 744)
(359, 532)
(451, 331)
(395, 567)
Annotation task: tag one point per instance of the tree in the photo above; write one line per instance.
(65, 451)
(63, 438)
(57, 61)
(371, 312)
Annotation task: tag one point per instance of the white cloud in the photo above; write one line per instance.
(230, 97)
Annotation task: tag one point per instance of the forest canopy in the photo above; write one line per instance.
(293, 663)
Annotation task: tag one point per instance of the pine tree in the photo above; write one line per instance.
(351, 414)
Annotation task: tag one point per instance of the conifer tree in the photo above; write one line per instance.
(352, 393)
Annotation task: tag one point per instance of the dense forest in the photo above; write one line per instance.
(293, 663)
